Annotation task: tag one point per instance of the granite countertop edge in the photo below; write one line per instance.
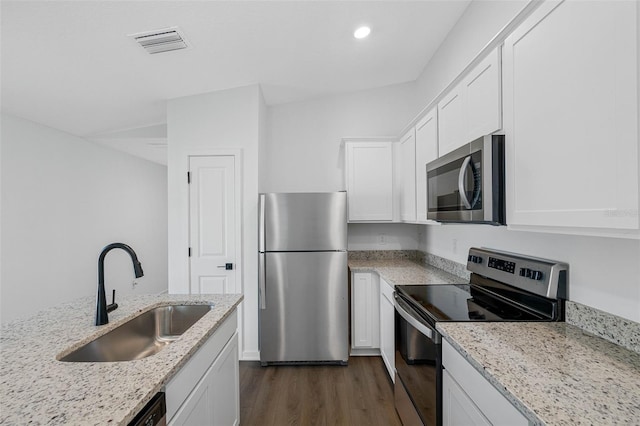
(37, 388)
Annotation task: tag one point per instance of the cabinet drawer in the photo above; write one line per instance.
(494, 406)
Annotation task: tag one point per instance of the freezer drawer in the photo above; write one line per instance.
(303, 221)
(303, 307)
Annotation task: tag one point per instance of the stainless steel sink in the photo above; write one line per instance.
(142, 336)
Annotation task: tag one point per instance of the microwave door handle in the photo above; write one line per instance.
(461, 187)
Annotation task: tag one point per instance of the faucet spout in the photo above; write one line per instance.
(101, 309)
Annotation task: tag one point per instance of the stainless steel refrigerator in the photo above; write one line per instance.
(303, 292)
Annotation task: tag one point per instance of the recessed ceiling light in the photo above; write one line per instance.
(362, 32)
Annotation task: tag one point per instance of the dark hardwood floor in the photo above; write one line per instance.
(359, 394)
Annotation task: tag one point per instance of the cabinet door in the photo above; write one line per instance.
(369, 169)
(180, 388)
(387, 328)
(426, 151)
(482, 98)
(215, 399)
(407, 175)
(571, 116)
(225, 394)
(451, 121)
(457, 408)
(365, 311)
(197, 409)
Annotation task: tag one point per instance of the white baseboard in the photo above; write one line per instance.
(250, 356)
(365, 352)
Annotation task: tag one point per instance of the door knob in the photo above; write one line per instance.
(226, 266)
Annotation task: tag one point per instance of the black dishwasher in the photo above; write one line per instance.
(154, 413)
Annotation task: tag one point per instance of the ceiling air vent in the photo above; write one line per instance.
(159, 41)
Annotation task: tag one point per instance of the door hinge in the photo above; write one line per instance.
(189, 251)
(188, 177)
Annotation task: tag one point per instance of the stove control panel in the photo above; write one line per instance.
(530, 273)
(544, 277)
(474, 259)
(502, 265)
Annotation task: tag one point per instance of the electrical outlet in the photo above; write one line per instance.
(382, 239)
(454, 245)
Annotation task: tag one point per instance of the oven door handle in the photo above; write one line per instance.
(422, 328)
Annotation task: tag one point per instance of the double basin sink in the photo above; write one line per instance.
(140, 337)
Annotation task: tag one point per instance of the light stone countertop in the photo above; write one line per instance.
(37, 389)
(405, 271)
(554, 373)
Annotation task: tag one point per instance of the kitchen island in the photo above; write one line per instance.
(36, 388)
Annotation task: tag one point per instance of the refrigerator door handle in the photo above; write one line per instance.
(262, 277)
(261, 236)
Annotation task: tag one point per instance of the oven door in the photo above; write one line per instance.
(418, 356)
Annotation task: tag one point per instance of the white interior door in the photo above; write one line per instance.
(212, 224)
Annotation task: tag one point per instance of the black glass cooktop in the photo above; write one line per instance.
(461, 302)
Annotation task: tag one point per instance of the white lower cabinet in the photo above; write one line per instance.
(457, 407)
(206, 390)
(387, 329)
(365, 314)
(469, 399)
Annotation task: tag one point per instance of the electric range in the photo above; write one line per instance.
(503, 286)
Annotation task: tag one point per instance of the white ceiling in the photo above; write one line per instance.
(70, 65)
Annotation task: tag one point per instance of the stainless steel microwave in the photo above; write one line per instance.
(467, 185)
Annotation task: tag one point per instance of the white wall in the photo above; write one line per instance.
(382, 236)
(63, 200)
(303, 148)
(205, 124)
(480, 22)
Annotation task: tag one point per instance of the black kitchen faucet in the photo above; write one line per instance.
(102, 309)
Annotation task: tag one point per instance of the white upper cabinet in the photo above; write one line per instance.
(369, 175)
(407, 176)
(451, 121)
(571, 117)
(482, 98)
(426, 151)
(473, 107)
